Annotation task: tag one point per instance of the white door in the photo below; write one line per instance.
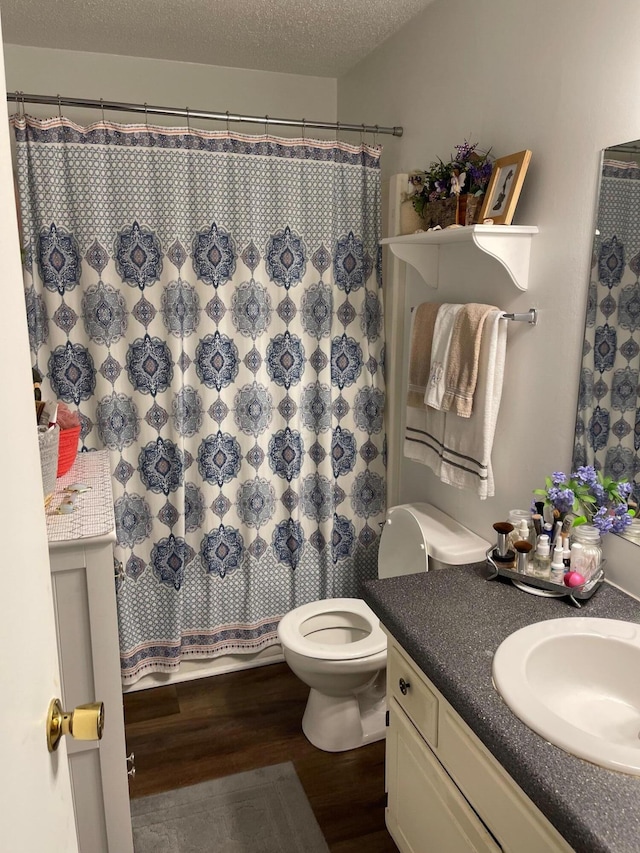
(36, 807)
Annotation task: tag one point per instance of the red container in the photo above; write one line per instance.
(67, 449)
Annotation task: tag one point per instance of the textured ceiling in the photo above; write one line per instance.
(323, 38)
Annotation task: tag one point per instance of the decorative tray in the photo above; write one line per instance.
(544, 588)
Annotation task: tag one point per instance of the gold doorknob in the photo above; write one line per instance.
(86, 722)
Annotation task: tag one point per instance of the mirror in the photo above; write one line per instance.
(608, 419)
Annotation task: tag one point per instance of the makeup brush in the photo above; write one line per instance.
(502, 553)
(523, 549)
(537, 522)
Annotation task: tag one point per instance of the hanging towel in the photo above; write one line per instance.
(442, 338)
(423, 321)
(462, 362)
(423, 437)
(457, 449)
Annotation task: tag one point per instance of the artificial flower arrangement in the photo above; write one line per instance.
(588, 497)
(468, 172)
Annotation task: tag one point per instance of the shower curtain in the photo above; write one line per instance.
(210, 304)
(608, 422)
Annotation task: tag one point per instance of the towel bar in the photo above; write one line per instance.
(530, 316)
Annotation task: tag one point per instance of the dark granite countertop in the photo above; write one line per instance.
(451, 621)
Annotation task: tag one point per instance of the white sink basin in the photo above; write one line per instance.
(576, 682)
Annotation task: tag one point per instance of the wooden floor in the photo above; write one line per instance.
(187, 733)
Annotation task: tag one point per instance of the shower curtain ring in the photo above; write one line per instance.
(59, 107)
(146, 115)
(228, 129)
(188, 122)
(21, 108)
(102, 109)
(362, 133)
(375, 136)
(266, 123)
(337, 131)
(304, 128)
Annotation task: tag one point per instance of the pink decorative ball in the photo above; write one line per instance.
(573, 579)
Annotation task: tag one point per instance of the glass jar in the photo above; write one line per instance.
(633, 531)
(589, 537)
(515, 517)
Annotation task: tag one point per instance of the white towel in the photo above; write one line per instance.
(457, 449)
(440, 345)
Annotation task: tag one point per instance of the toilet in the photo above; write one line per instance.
(337, 647)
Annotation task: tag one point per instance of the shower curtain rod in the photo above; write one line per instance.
(188, 113)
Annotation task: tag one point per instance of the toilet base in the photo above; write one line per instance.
(339, 723)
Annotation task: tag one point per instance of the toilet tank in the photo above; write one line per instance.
(416, 532)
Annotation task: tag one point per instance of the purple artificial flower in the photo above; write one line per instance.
(603, 520)
(586, 475)
(480, 174)
(562, 499)
(599, 493)
(558, 478)
(465, 151)
(620, 519)
(625, 490)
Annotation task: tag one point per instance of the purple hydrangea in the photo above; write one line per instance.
(586, 475)
(625, 490)
(585, 493)
(621, 519)
(603, 520)
(562, 499)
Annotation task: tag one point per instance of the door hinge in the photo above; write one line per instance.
(386, 719)
(386, 799)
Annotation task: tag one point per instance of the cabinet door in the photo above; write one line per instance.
(87, 627)
(426, 813)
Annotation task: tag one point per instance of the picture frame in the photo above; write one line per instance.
(504, 189)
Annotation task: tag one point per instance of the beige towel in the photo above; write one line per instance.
(458, 450)
(424, 320)
(462, 362)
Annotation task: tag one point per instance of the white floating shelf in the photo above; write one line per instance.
(509, 245)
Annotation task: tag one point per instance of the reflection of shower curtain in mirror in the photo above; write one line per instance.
(210, 304)
(608, 423)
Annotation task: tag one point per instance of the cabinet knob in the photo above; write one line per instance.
(404, 686)
(86, 722)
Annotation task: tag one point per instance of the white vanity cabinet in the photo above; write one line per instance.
(445, 791)
(82, 574)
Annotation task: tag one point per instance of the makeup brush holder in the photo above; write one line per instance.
(545, 588)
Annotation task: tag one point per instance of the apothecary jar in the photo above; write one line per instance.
(589, 537)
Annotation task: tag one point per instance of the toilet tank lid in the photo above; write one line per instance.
(445, 538)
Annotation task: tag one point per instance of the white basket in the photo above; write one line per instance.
(48, 440)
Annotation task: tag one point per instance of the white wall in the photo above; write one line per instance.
(162, 83)
(561, 80)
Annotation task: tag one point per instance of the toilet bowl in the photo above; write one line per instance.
(337, 647)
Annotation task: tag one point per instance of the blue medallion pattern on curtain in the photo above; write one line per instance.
(211, 305)
(608, 422)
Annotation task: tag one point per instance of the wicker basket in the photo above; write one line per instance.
(48, 441)
(67, 449)
(443, 212)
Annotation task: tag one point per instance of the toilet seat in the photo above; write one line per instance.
(291, 636)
